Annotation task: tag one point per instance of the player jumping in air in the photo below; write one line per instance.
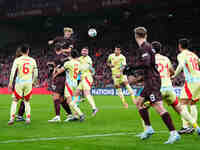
(190, 93)
(27, 74)
(68, 32)
(86, 79)
(117, 63)
(152, 85)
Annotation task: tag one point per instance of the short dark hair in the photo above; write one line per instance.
(157, 46)
(24, 48)
(75, 53)
(184, 43)
(18, 52)
(86, 47)
(118, 46)
(140, 32)
(58, 46)
(66, 45)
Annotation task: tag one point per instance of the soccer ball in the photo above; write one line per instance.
(92, 32)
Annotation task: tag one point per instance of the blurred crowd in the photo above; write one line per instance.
(102, 78)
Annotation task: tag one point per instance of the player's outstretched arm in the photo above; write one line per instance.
(109, 62)
(58, 71)
(171, 69)
(35, 76)
(179, 68)
(92, 70)
(122, 69)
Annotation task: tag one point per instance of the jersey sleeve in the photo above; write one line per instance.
(66, 65)
(109, 58)
(144, 61)
(90, 61)
(124, 61)
(180, 65)
(170, 65)
(13, 70)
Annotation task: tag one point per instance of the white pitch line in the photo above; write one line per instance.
(69, 137)
(62, 138)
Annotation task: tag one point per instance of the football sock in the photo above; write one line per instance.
(21, 109)
(75, 108)
(27, 109)
(130, 90)
(187, 117)
(57, 107)
(120, 93)
(168, 121)
(66, 107)
(91, 101)
(186, 124)
(145, 116)
(13, 110)
(194, 112)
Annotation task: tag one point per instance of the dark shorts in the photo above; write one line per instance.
(58, 85)
(151, 91)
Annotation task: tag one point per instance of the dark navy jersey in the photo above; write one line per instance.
(146, 62)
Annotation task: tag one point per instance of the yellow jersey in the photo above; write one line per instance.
(164, 65)
(86, 65)
(117, 62)
(189, 63)
(25, 67)
(72, 68)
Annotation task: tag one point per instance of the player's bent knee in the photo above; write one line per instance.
(158, 106)
(86, 93)
(184, 101)
(77, 93)
(56, 96)
(62, 98)
(15, 99)
(178, 108)
(139, 102)
(134, 101)
(69, 100)
(125, 83)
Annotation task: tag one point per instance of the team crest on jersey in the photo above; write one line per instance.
(145, 55)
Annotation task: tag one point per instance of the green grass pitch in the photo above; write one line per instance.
(114, 128)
